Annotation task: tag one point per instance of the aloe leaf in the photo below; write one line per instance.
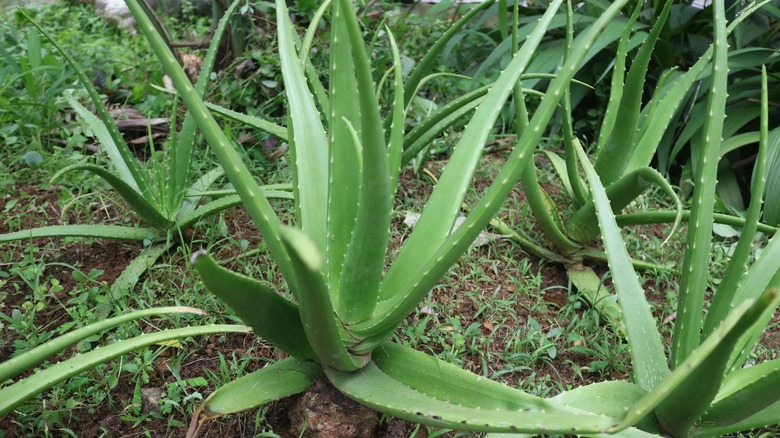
(658, 122)
(678, 411)
(418, 279)
(15, 394)
(756, 277)
(647, 351)
(545, 211)
(277, 131)
(772, 203)
(143, 261)
(365, 257)
(616, 86)
(121, 156)
(311, 31)
(272, 317)
(213, 207)
(287, 377)
(416, 387)
(613, 158)
(320, 323)
(247, 188)
(20, 363)
(724, 295)
(181, 149)
(583, 225)
(597, 294)
(308, 144)
(148, 212)
(444, 203)
(695, 267)
(668, 216)
(194, 193)
(346, 161)
(743, 394)
(767, 417)
(395, 148)
(95, 231)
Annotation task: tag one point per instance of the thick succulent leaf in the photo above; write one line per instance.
(95, 231)
(668, 216)
(416, 387)
(695, 267)
(772, 203)
(311, 32)
(309, 143)
(724, 295)
(127, 280)
(256, 122)
(705, 369)
(614, 156)
(287, 377)
(20, 363)
(583, 225)
(13, 395)
(647, 351)
(767, 417)
(346, 163)
(590, 287)
(743, 394)
(444, 203)
(395, 147)
(194, 193)
(146, 209)
(213, 207)
(247, 188)
(320, 323)
(417, 280)
(272, 317)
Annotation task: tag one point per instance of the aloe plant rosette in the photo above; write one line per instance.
(346, 302)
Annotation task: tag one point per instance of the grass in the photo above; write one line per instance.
(500, 312)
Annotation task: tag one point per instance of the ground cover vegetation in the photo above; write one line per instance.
(372, 115)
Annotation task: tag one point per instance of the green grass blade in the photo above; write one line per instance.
(320, 323)
(309, 144)
(695, 267)
(20, 363)
(287, 377)
(13, 395)
(724, 295)
(444, 203)
(94, 231)
(272, 317)
(140, 204)
(613, 158)
(647, 351)
(181, 150)
(364, 261)
(247, 188)
(416, 387)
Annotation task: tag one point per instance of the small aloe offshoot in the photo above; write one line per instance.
(347, 304)
(159, 192)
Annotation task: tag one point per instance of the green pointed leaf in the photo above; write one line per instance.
(743, 394)
(277, 131)
(127, 280)
(647, 351)
(145, 208)
(95, 231)
(416, 387)
(287, 377)
(308, 144)
(13, 395)
(272, 317)
(320, 323)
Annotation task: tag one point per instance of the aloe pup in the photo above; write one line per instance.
(346, 304)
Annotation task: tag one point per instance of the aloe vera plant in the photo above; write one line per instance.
(347, 304)
(629, 137)
(159, 192)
